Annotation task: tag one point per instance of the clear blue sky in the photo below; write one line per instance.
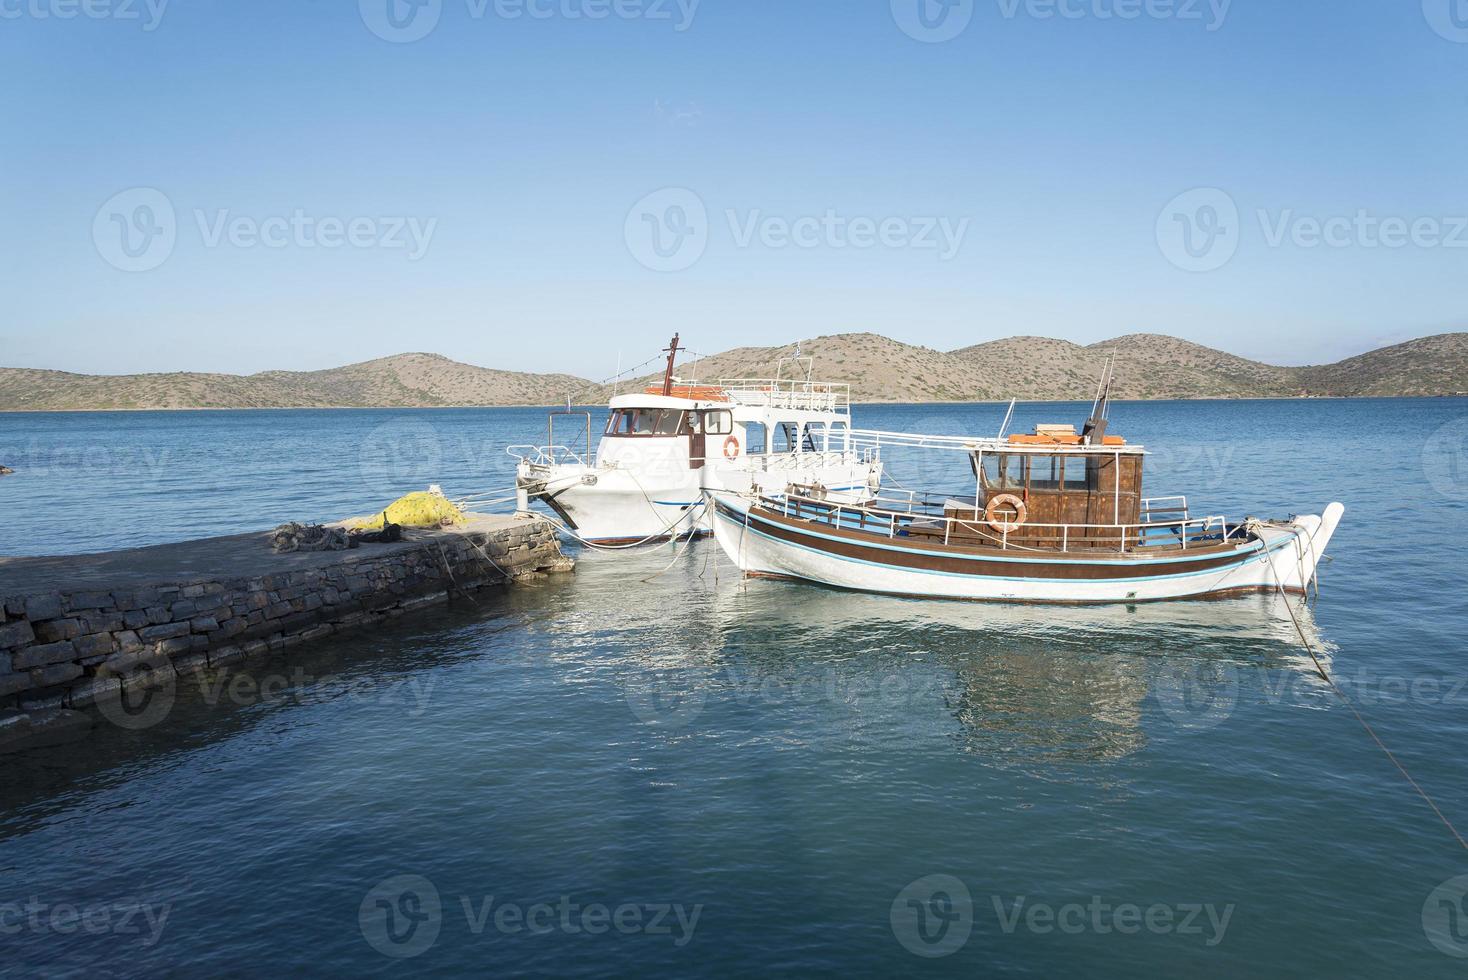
(521, 146)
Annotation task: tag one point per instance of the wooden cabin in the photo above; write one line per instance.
(1060, 479)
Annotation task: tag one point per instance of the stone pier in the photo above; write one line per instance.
(79, 630)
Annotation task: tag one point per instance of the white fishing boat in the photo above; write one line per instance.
(1055, 516)
(664, 446)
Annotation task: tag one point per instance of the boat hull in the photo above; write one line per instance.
(617, 506)
(1278, 556)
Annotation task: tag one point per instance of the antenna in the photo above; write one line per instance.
(1004, 426)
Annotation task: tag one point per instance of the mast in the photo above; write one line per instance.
(673, 350)
(1095, 431)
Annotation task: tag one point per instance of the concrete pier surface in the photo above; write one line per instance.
(82, 631)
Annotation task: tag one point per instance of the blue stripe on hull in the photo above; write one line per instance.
(1248, 558)
(886, 545)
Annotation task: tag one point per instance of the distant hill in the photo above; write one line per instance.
(406, 380)
(878, 369)
(1041, 369)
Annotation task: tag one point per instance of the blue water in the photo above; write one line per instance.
(1166, 789)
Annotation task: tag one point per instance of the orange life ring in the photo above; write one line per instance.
(1021, 513)
(731, 447)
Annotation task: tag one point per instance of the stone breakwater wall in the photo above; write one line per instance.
(64, 649)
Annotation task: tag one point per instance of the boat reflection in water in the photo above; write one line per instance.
(1025, 684)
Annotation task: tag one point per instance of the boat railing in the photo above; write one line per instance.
(1167, 507)
(786, 393)
(547, 455)
(876, 439)
(876, 517)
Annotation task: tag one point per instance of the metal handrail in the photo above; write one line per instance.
(1124, 532)
(545, 455)
(789, 394)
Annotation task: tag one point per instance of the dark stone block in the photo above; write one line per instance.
(40, 656)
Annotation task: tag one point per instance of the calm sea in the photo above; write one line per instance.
(653, 768)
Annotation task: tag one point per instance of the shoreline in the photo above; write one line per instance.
(598, 406)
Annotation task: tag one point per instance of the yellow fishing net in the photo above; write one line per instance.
(420, 509)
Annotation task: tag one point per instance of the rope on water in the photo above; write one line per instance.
(1257, 525)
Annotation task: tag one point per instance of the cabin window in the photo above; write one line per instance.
(1076, 470)
(1045, 472)
(718, 423)
(785, 434)
(815, 437)
(644, 422)
(838, 438)
(1004, 472)
(754, 437)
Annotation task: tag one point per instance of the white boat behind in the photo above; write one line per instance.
(663, 447)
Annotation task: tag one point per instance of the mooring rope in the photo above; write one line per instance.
(1254, 524)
